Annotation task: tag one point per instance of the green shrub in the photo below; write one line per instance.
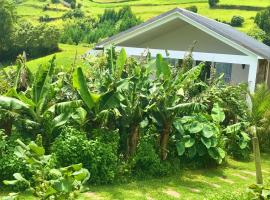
(9, 162)
(213, 3)
(98, 155)
(76, 13)
(262, 19)
(257, 33)
(237, 21)
(146, 162)
(192, 9)
(199, 135)
(238, 142)
(48, 182)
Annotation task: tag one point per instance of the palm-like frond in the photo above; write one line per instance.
(260, 104)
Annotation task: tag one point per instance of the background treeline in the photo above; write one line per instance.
(90, 30)
(18, 36)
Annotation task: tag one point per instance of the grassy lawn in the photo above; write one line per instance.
(32, 9)
(65, 58)
(234, 177)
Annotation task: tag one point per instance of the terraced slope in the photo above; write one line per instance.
(33, 9)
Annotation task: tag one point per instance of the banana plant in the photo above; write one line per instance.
(36, 107)
(99, 105)
(171, 98)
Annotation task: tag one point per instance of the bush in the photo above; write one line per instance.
(98, 155)
(192, 9)
(146, 162)
(36, 41)
(262, 19)
(91, 31)
(76, 13)
(9, 162)
(237, 21)
(257, 33)
(212, 3)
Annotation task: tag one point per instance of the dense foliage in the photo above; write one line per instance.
(125, 118)
(46, 181)
(90, 31)
(262, 19)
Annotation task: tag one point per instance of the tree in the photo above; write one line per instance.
(172, 98)
(8, 19)
(212, 3)
(262, 19)
(259, 112)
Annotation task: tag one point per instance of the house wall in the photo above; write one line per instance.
(179, 35)
(239, 75)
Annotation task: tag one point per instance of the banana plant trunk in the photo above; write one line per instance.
(164, 139)
(7, 126)
(257, 156)
(133, 139)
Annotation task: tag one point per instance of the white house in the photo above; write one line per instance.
(240, 57)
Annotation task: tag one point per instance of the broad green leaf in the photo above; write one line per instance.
(195, 127)
(243, 144)
(19, 177)
(213, 152)
(189, 141)
(120, 62)
(178, 126)
(40, 151)
(12, 182)
(221, 152)
(214, 141)
(162, 67)
(245, 136)
(217, 113)
(180, 146)
(80, 84)
(41, 85)
(16, 106)
(233, 128)
(192, 75)
(206, 141)
(50, 191)
(208, 131)
(82, 175)
(110, 100)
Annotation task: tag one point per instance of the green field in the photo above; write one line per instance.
(206, 184)
(68, 55)
(33, 9)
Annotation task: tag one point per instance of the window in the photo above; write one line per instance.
(226, 69)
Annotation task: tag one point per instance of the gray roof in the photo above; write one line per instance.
(225, 30)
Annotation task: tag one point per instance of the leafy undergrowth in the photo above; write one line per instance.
(224, 183)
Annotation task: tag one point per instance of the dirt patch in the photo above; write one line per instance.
(172, 193)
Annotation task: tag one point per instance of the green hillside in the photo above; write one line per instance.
(33, 9)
